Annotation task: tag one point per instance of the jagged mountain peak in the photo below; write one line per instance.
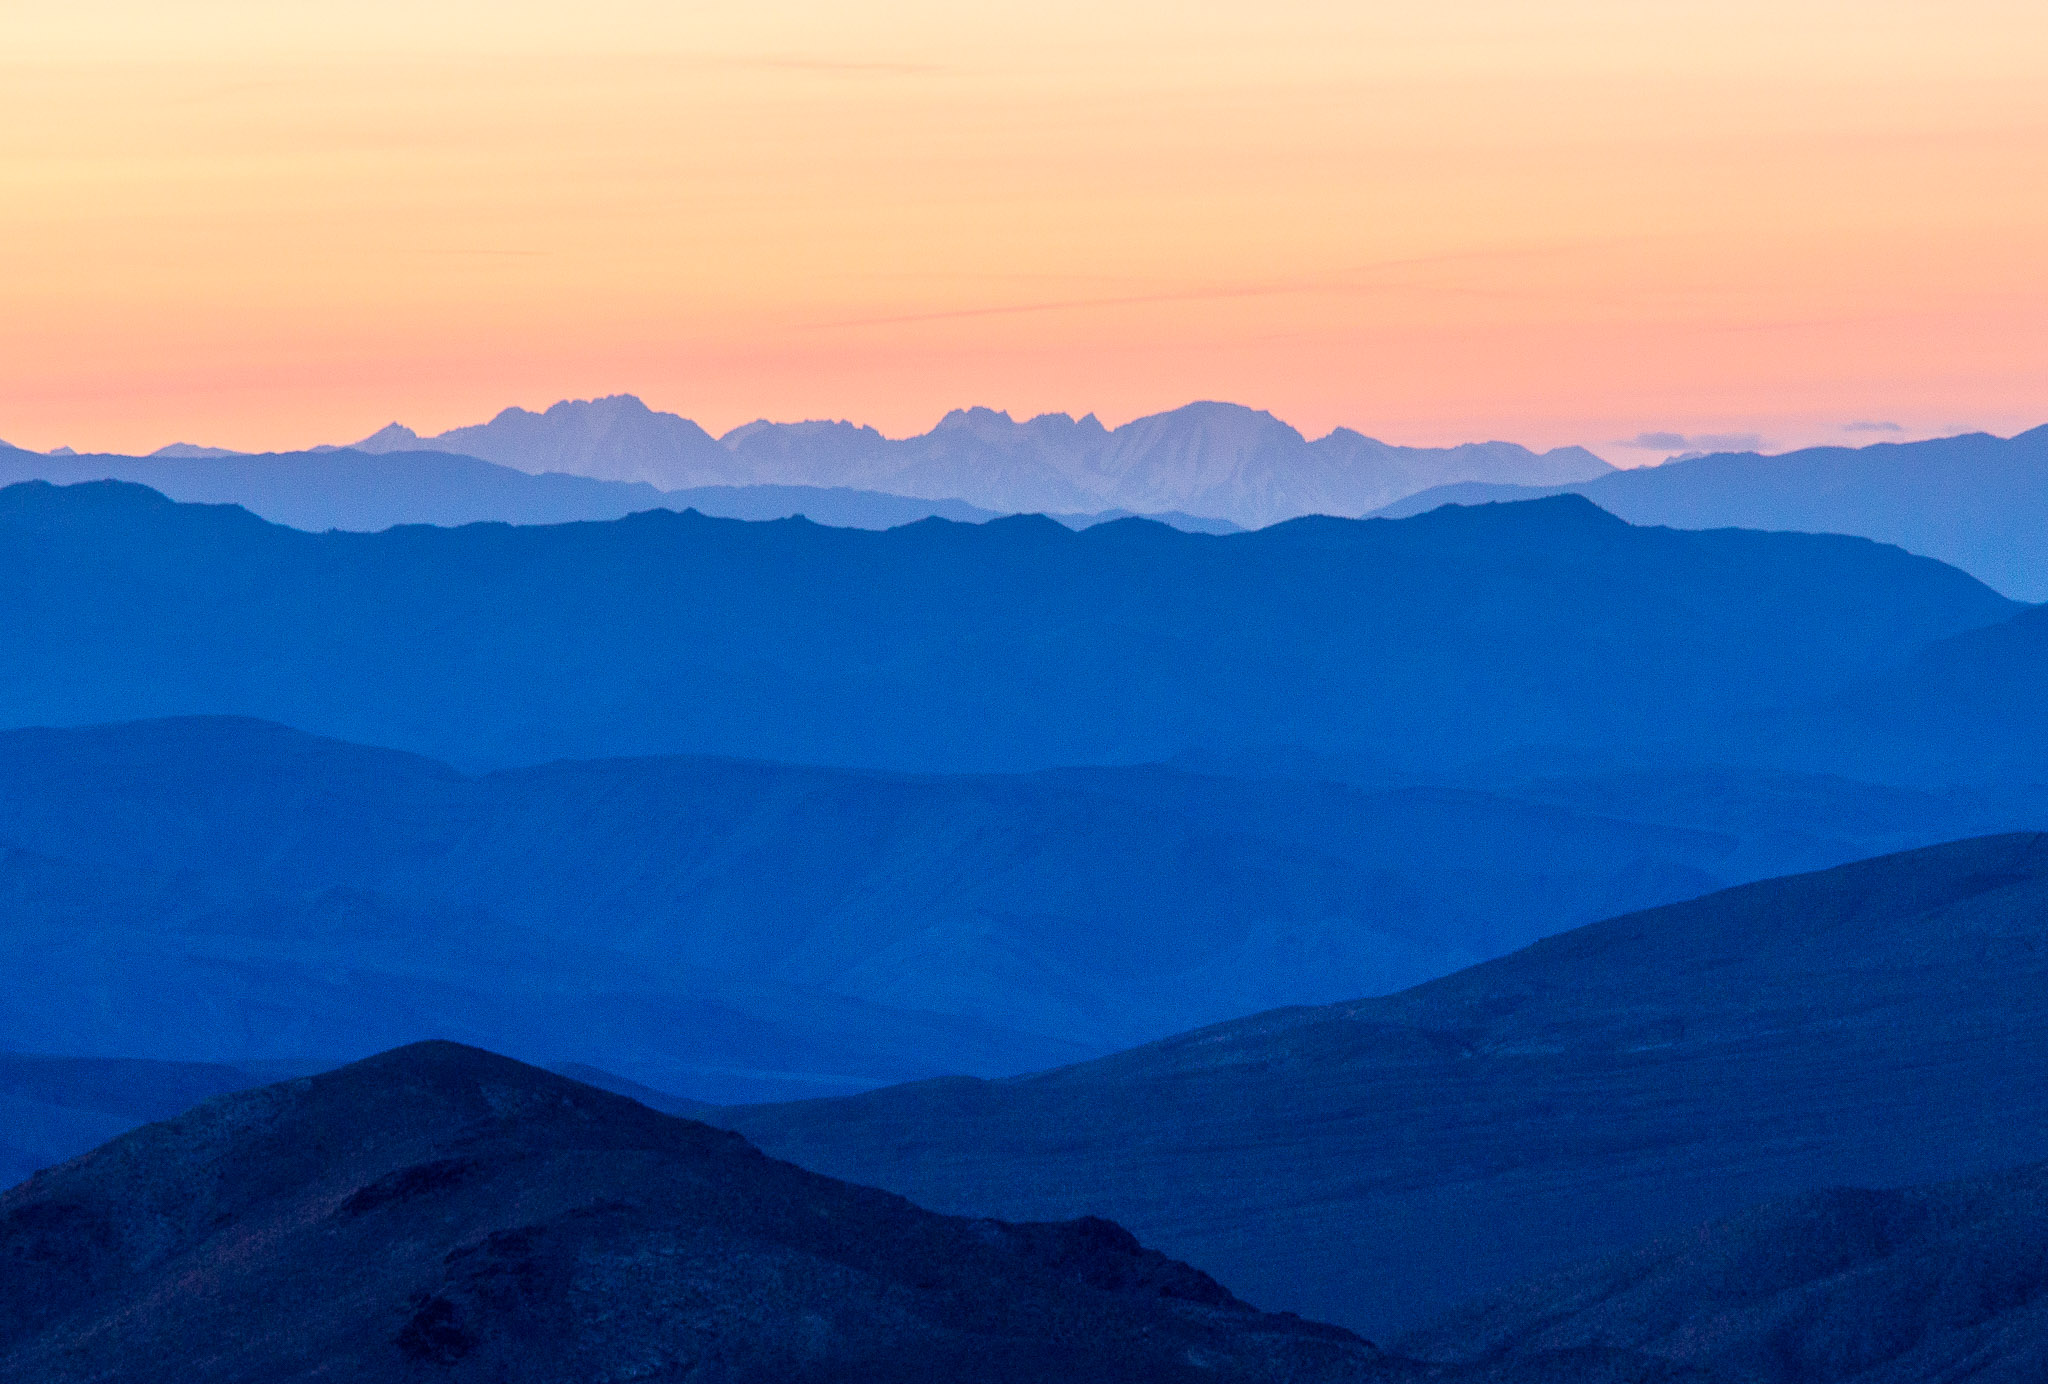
(1209, 459)
(392, 437)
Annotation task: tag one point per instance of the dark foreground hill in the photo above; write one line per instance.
(1943, 1282)
(1014, 644)
(442, 1213)
(1879, 1024)
(54, 1108)
(1976, 501)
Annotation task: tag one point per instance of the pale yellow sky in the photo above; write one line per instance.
(266, 225)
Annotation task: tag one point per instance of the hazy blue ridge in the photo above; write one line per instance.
(342, 489)
(230, 891)
(338, 488)
(1977, 502)
(1013, 644)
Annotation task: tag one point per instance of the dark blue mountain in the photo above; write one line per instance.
(228, 891)
(1845, 1285)
(1977, 502)
(1008, 645)
(443, 1213)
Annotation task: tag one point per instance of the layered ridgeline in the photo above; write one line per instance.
(1220, 461)
(1007, 645)
(439, 1212)
(1977, 501)
(1372, 1163)
(363, 492)
(229, 892)
(1207, 468)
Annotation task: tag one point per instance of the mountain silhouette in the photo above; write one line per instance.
(440, 1212)
(1977, 502)
(940, 646)
(614, 439)
(1214, 460)
(364, 492)
(337, 488)
(1879, 1024)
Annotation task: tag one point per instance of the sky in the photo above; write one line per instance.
(1635, 225)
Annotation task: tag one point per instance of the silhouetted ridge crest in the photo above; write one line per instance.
(1977, 501)
(936, 646)
(438, 1206)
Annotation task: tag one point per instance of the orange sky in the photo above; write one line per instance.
(265, 224)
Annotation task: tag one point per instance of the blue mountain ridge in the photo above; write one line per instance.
(337, 488)
(1009, 645)
(818, 930)
(1977, 502)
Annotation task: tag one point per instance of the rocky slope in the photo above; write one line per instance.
(442, 1213)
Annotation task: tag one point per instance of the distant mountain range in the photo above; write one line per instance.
(1977, 502)
(361, 492)
(1014, 644)
(1214, 460)
(1375, 1162)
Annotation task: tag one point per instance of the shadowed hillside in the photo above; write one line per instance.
(1880, 1024)
(1875, 1287)
(439, 1212)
